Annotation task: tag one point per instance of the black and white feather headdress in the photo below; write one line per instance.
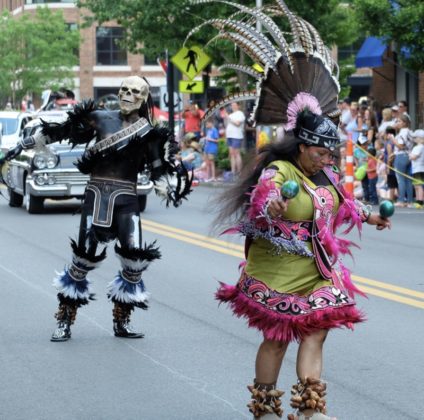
(298, 87)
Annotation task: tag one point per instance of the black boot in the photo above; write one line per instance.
(65, 317)
(121, 321)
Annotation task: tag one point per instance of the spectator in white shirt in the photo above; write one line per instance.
(234, 132)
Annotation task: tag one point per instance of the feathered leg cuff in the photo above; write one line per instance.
(72, 283)
(128, 287)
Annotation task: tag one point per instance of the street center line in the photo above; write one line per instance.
(226, 244)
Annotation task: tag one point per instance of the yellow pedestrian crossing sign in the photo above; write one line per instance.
(191, 61)
(191, 86)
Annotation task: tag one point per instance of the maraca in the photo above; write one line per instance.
(289, 189)
(387, 209)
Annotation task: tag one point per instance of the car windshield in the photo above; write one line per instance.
(9, 125)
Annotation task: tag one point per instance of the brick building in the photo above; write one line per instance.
(102, 63)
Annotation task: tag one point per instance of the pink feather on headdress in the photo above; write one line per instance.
(300, 102)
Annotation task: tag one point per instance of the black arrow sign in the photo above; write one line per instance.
(191, 86)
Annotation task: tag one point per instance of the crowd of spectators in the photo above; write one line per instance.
(388, 155)
(200, 141)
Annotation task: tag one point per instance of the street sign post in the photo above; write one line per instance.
(191, 61)
(191, 86)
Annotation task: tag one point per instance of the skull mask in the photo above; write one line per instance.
(132, 94)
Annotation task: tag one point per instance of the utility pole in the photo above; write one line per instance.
(170, 85)
(258, 24)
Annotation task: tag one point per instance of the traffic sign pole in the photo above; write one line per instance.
(170, 86)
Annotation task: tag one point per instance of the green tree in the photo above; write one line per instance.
(398, 21)
(38, 53)
(155, 25)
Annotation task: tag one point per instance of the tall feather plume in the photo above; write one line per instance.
(293, 24)
(305, 66)
(273, 30)
(243, 69)
(249, 48)
(245, 30)
(319, 44)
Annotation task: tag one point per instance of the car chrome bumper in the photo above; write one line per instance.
(62, 184)
(67, 184)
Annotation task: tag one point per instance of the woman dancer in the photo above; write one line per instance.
(293, 286)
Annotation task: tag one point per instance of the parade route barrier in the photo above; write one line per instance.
(349, 178)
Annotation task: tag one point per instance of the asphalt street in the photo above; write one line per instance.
(196, 358)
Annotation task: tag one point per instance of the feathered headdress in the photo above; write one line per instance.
(298, 87)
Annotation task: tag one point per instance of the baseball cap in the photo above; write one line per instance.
(418, 133)
(395, 108)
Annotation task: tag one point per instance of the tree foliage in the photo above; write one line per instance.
(38, 53)
(398, 21)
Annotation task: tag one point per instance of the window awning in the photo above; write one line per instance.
(371, 53)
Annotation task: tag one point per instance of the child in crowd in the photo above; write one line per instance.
(211, 150)
(361, 160)
(372, 176)
(417, 159)
(382, 190)
(190, 156)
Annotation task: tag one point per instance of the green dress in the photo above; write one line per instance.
(281, 290)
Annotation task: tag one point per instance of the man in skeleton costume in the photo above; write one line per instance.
(293, 286)
(119, 145)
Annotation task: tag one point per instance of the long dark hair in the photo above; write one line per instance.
(231, 203)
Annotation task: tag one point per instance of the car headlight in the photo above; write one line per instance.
(40, 161)
(52, 161)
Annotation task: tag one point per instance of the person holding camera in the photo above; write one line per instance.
(193, 120)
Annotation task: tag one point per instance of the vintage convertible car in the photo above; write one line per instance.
(49, 172)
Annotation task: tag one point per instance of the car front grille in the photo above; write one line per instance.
(76, 178)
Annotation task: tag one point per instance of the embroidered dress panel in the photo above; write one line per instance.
(288, 273)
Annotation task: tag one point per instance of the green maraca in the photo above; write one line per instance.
(387, 209)
(289, 189)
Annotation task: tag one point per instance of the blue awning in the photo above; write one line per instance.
(371, 53)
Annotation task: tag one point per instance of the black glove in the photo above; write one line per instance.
(12, 153)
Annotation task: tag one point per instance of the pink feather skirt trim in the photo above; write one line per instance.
(286, 317)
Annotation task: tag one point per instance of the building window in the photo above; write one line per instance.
(150, 60)
(109, 50)
(73, 27)
(48, 1)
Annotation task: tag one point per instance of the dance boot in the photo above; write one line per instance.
(121, 321)
(65, 316)
(265, 403)
(309, 395)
